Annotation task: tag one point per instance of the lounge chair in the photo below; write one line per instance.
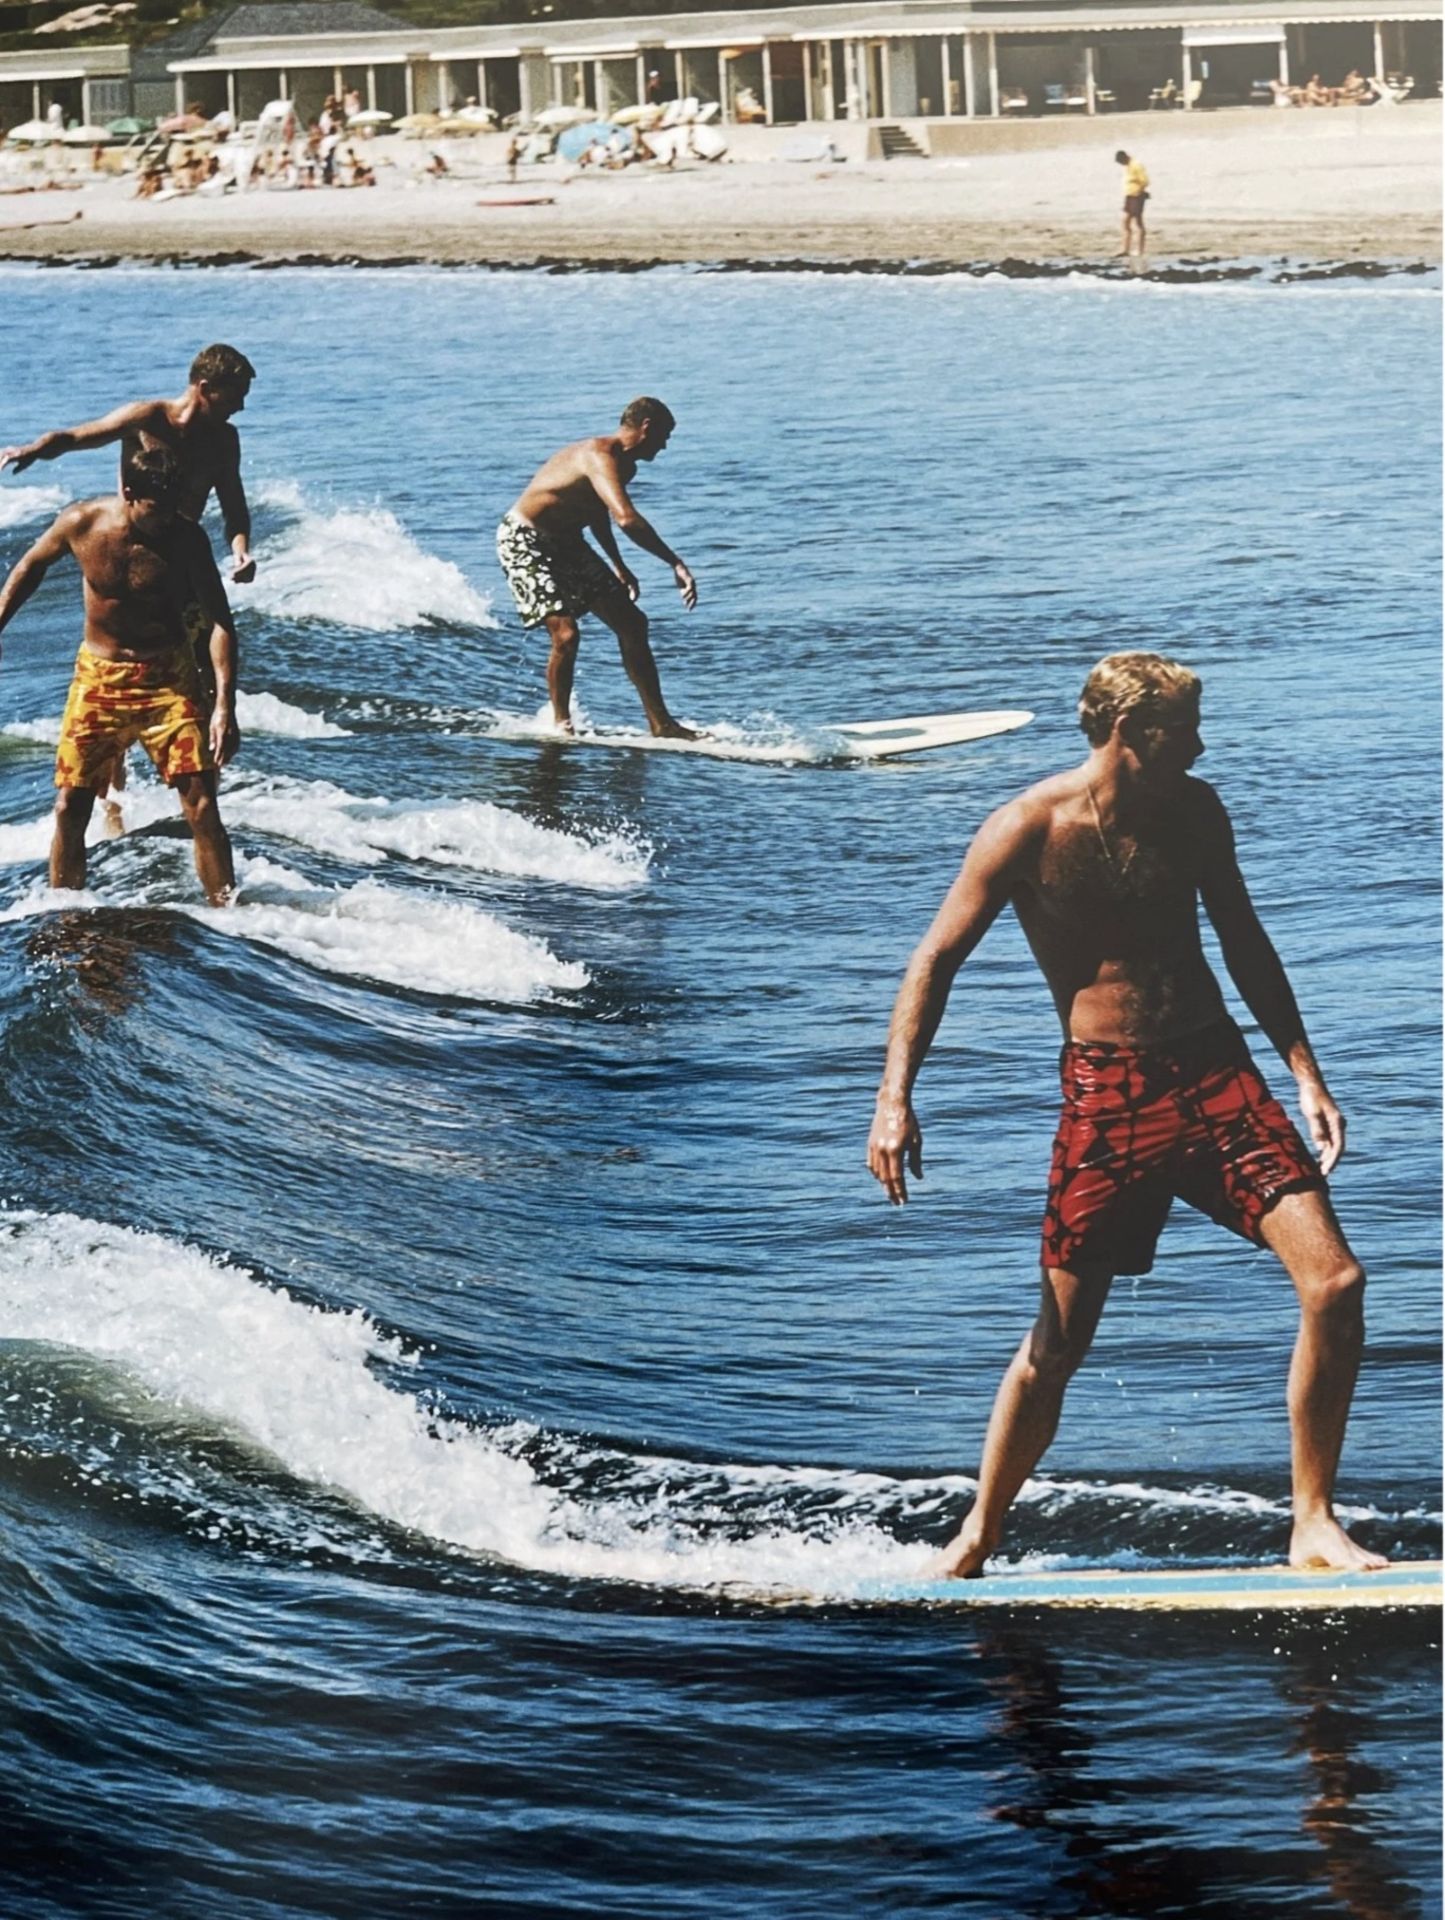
(1014, 100)
(1055, 98)
(1164, 96)
(1104, 99)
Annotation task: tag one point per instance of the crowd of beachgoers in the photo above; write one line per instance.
(346, 143)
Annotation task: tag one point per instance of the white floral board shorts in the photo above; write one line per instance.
(547, 577)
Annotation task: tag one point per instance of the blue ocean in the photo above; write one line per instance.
(458, 1382)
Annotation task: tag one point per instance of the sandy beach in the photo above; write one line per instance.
(1358, 185)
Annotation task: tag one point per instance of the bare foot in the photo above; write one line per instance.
(962, 1559)
(1324, 1543)
(671, 729)
(564, 725)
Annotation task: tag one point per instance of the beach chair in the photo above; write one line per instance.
(1055, 98)
(1192, 94)
(1104, 100)
(1014, 100)
(1076, 100)
(1164, 96)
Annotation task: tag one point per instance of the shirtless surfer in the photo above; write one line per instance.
(1105, 866)
(555, 576)
(197, 428)
(143, 563)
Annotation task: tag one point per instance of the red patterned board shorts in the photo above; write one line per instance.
(114, 703)
(1141, 1126)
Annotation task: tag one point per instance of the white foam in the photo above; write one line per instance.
(472, 834)
(20, 504)
(372, 932)
(358, 567)
(45, 731)
(368, 932)
(304, 1385)
(264, 713)
(762, 738)
(25, 842)
(298, 1382)
(268, 713)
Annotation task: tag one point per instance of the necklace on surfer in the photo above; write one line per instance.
(1118, 869)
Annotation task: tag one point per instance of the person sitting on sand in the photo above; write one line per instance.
(1106, 867)
(1317, 94)
(142, 563)
(361, 174)
(555, 576)
(437, 165)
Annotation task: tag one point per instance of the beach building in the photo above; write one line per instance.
(876, 61)
(88, 84)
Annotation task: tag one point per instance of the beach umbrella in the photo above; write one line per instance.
(370, 117)
(574, 141)
(32, 133)
(84, 136)
(128, 126)
(562, 116)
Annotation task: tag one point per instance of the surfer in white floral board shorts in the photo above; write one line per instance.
(555, 576)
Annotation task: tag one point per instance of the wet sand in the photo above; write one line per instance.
(1329, 186)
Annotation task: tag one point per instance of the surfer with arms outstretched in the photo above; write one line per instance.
(1105, 867)
(555, 576)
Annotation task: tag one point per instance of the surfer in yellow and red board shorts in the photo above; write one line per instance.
(142, 563)
(196, 427)
(1106, 866)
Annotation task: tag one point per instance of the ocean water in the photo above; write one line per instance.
(456, 1376)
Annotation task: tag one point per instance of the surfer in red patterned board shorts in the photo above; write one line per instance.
(1106, 866)
(143, 563)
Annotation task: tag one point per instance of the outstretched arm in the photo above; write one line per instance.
(1258, 972)
(602, 471)
(989, 873)
(235, 514)
(210, 596)
(137, 417)
(32, 567)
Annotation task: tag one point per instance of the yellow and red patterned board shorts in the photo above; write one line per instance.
(114, 703)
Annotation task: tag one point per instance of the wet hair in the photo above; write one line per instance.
(638, 412)
(1143, 683)
(150, 473)
(222, 366)
(1122, 157)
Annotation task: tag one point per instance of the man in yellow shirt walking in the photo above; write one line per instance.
(1136, 192)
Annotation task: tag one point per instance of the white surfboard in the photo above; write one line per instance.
(847, 740)
(1412, 1584)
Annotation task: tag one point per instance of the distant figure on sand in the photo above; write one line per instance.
(1105, 866)
(555, 576)
(143, 562)
(1136, 192)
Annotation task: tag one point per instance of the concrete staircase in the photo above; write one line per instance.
(898, 145)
